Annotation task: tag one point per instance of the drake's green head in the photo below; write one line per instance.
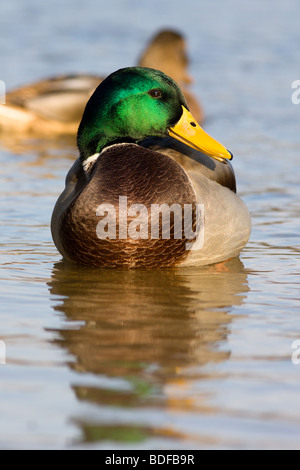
(129, 105)
(137, 102)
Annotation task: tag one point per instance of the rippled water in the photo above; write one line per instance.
(191, 358)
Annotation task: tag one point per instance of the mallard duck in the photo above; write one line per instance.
(167, 51)
(141, 149)
(55, 105)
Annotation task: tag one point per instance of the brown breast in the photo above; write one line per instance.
(138, 176)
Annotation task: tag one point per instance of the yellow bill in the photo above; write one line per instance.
(188, 131)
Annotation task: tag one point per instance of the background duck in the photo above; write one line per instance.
(137, 140)
(56, 105)
(51, 106)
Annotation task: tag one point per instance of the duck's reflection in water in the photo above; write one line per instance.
(160, 332)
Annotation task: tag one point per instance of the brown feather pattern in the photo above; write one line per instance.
(144, 177)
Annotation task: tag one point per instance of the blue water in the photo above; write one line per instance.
(193, 358)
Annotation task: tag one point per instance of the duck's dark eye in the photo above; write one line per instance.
(155, 93)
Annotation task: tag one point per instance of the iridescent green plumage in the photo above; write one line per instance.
(123, 110)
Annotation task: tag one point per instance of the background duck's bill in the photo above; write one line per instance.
(160, 221)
